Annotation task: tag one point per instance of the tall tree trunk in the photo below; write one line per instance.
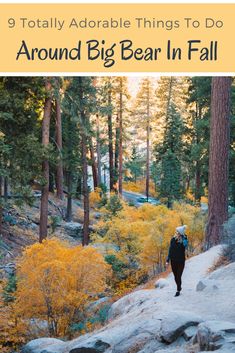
(169, 97)
(148, 146)
(98, 148)
(59, 168)
(85, 188)
(51, 180)
(1, 206)
(116, 149)
(198, 183)
(93, 163)
(79, 187)
(218, 159)
(45, 165)
(69, 213)
(120, 162)
(110, 135)
(198, 165)
(85, 191)
(5, 189)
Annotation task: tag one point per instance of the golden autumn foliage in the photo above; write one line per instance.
(140, 187)
(95, 197)
(56, 281)
(8, 328)
(143, 234)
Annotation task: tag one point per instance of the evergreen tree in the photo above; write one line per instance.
(197, 131)
(219, 158)
(144, 111)
(121, 96)
(135, 165)
(80, 97)
(169, 154)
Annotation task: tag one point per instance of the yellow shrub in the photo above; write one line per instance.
(55, 281)
(95, 197)
(140, 187)
(143, 234)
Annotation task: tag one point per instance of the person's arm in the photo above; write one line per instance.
(169, 253)
(185, 241)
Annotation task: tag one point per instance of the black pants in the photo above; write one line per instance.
(177, 269)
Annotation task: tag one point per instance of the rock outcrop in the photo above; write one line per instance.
(201, 319)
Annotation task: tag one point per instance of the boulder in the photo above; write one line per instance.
(152, 346)
(174, 323)
(130, 302)
(207, 284)
(189, 333)
(92, 346)
(161, 283)
(74, 229)
(213, 335)
(133, 344)
(44, 345)
(224, 273)
(98, 303)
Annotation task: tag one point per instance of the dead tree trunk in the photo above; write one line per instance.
(218, 159)
(45, 165)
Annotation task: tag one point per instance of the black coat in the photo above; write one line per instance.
(177, 250)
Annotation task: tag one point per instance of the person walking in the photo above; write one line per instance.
(176, 256)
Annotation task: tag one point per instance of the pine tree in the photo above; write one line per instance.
(169, 153)
(219, 158)
(199, 94)
(120, 94)
(59, 168)
(80, 102)
(45, 163)
(144, 111)
(135, 164)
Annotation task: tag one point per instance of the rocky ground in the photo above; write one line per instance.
(21, 228)
(154, 321)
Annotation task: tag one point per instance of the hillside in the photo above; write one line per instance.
(149, 321)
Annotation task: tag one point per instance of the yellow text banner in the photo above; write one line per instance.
(117, 38)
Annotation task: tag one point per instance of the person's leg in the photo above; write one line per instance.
(180, 269)
(174, 268)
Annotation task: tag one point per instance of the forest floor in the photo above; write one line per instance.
(21, 226)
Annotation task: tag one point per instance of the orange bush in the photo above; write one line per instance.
(55, 281)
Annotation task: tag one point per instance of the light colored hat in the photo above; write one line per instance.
(181, 229)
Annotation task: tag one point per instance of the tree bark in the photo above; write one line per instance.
(218, 159)
(45, 165)
(110, 135)
(85, 188)
(1, 206)
(93, 163)
(147, 146)
(98, 148)
(198, 183)
(198, 165)
(116, 150)
(85, 192)
(120, 159)
(69, 213)
(5, 189)
(59, 168)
